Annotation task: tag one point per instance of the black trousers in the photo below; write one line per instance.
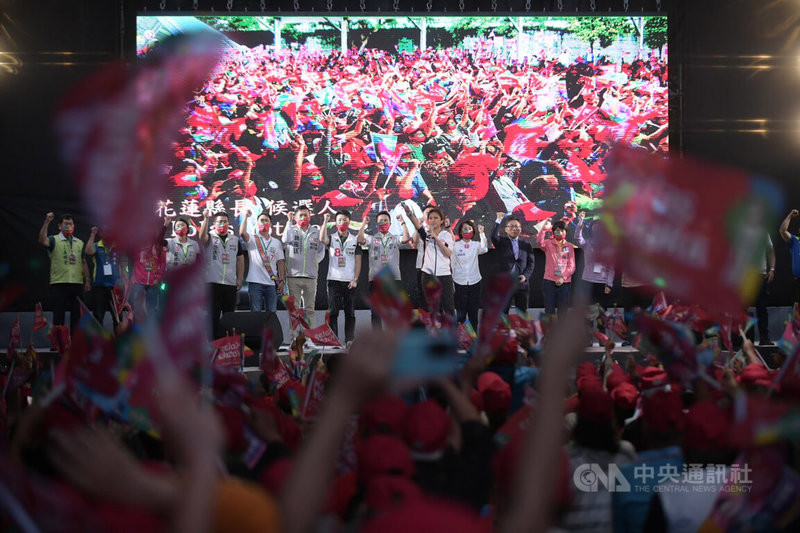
(63, 298)
(467, 303)
(223, 300)
(519, 299)
(342, 298)
(447, 304)
(100, 301)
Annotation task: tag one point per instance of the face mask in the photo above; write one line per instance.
(343, 227)
(222, 229)
(303, 222)
(558, 236)
(67, 231)
(467, 235)
(384, 228)
(263, 227)
(182, 232)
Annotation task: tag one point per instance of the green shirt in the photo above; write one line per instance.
(66, 259)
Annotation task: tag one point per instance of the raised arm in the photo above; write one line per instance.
(203, 236)
(323, 230)
(496, 229)
(579, 230)
(406, 237)
(484, 245)
(785, 235)
(540, 237)
(43, 240)
(89, 248)
(361, 237)
(243, 226)
(288, 234)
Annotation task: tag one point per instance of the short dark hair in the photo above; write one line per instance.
(65, 216)
(429, 206)
(560, 225)
(513, 219)
(428, 149)
(264, 214)
(182, 219)
(221, 214)
(465, 223)
(384, 213)
(343, 212)
(302, 208)
(437, 211)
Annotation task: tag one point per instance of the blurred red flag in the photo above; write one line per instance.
(694, 229)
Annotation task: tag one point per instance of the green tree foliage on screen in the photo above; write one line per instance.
(601, 30)
(655, 33)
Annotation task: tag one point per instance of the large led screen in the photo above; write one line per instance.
(477, 115)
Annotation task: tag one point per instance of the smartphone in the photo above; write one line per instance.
(422, 355)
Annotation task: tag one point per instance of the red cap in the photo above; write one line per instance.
(384, 415)
(427, 427)
(755, 374)
(625, 396)
(505, 347)
(595, 405)
(384, 454)
(428, 516)
(586, 383)
(653, 377)
(585, 369)
(387, 492)
(571, 404)
(662, 412)
(493, 394)
(706, 427)
(615, 378)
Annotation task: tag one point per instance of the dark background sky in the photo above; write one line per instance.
(734, 76)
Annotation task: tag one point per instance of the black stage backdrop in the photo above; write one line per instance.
(733, 86)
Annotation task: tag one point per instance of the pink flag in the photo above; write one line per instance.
(39, 321)
(323, 335)
(296, 316)
(498, 292)
(183, 329)
(14, 340)
(116, 131)
(662, 230)
(228, 351)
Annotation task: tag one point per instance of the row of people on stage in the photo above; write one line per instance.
(291, 264)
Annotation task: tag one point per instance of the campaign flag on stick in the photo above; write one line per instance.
(296, 316)
(465, 334)
(39, 321)
(423, 316)
(116, 130)
(389, 300)
(228, 351)
(60, 339)
(315, 394)
(323, 335)
(662, 230)
(498, 292)
(14, 337)
(270, 363)
(386, 148)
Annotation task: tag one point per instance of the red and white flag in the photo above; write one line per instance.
(39, 321)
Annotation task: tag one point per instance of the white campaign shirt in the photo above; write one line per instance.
(434, 261)
(342, 257)
(272, 249)
(180, 254)
(464, 260)
(383, 250)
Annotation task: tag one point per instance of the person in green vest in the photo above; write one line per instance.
(68, 276)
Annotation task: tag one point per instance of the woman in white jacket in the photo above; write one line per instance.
(466, 273)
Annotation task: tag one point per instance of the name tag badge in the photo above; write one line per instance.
(225, 259)
(384, 259)
(107, 269)
(565, 249)
(466, 246)
(557, 272)
(598, 268)
(340, 262)
(71, 259)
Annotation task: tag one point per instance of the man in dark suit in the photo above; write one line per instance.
(515, 255)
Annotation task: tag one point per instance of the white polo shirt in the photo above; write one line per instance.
(262, 250)
(464, 260)
(420, 246)
(342, 257)
(383, 250)
(434, 261)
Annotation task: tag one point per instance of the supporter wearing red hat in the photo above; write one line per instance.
(385, 415)
(493, 396)
(427, 427)
(706, 437)
(754, 377)
(384, 455)
(625, 397)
